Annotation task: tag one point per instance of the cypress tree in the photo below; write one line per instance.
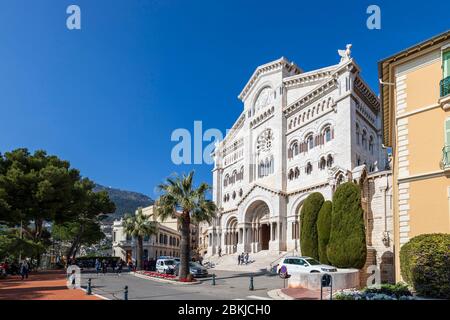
(347, 245)
(323, 230)
(308, 229)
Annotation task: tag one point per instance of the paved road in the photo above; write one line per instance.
(229, 286)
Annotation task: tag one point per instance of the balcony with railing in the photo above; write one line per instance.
(445, 163)
(445, 86)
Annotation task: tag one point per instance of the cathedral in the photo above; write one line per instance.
(299, 132)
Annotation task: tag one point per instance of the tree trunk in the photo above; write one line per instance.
(140, 253)
(185, 245)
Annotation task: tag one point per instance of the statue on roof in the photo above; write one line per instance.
(345, 54)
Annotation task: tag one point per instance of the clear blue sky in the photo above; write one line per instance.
(108, 97)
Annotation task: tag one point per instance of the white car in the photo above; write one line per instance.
(295, 264)
(166, 266)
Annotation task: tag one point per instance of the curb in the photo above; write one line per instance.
(96, 295)
(166, 281)
(278, 295)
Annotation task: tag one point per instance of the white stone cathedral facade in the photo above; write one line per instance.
(299, 132)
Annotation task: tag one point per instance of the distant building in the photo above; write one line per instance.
(415, 95)
(165, 243)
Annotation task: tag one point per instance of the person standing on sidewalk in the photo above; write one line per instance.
(239, 259)
(97, 265)
(24, 269)
(220, 252)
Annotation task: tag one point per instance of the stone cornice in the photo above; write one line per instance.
(367, 94)
(234, 129)
(309, 77)
(265, 188)
(310, 188)
(311, 96)
(271, 66)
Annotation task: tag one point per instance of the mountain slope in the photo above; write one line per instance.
(126, 201)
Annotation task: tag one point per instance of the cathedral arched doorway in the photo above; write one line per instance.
(257, 234)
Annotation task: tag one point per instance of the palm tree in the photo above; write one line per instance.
(182, 200)
(139, 226)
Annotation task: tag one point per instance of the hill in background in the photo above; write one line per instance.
(126, 201)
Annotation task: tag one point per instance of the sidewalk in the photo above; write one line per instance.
(298, 294)
(45, 285)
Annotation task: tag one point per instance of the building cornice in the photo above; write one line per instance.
(265, 188)
(311, 96)
(269, 67)
(309, 78)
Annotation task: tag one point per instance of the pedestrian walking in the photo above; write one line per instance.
(239, 259)
(24, 268)
(104, 266)
(72, 279)
(119, 267)
(242, 258)
(246, 258)
(220, 252)
(97, 265)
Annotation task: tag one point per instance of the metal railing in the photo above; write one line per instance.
(445, 86)
(445, 157)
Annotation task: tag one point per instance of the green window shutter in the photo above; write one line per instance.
(447, 132)
(446, 63)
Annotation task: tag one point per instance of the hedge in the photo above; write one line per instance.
(347, 245)
(323, 230)
(425, 264)
(308, 228)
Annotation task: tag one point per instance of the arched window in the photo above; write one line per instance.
(358, 133)
(291, 174)
(234, 195)
(364, 139)
(308, 168)
(322, 163)
(296, 172)
(371, 144)
(294, 148)
(327, 133)
(310, 142)
(330, 161)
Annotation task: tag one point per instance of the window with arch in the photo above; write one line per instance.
(330, 161)
(266, 167)
(308, 168)
(322, 163)
(371, 141)
(310, 142)
(225, 180)
(364, 139)
(296, 172)
(328, 135)
(358, 134)
(234, 195)
(291, 174)
(293, 149)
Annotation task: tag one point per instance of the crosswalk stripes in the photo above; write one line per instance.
(254, 298)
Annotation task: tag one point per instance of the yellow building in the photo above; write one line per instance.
(415, 93)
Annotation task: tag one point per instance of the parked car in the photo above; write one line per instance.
(302, 264)
(196, 269)
(166, 266)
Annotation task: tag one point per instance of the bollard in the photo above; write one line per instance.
(214, 279)
(251, 287)
(125, 293)
(89, 287)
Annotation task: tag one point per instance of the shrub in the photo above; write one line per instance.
(308, 218)
(347, 245)
(398, 290)
(323, 230)
(425, 264)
